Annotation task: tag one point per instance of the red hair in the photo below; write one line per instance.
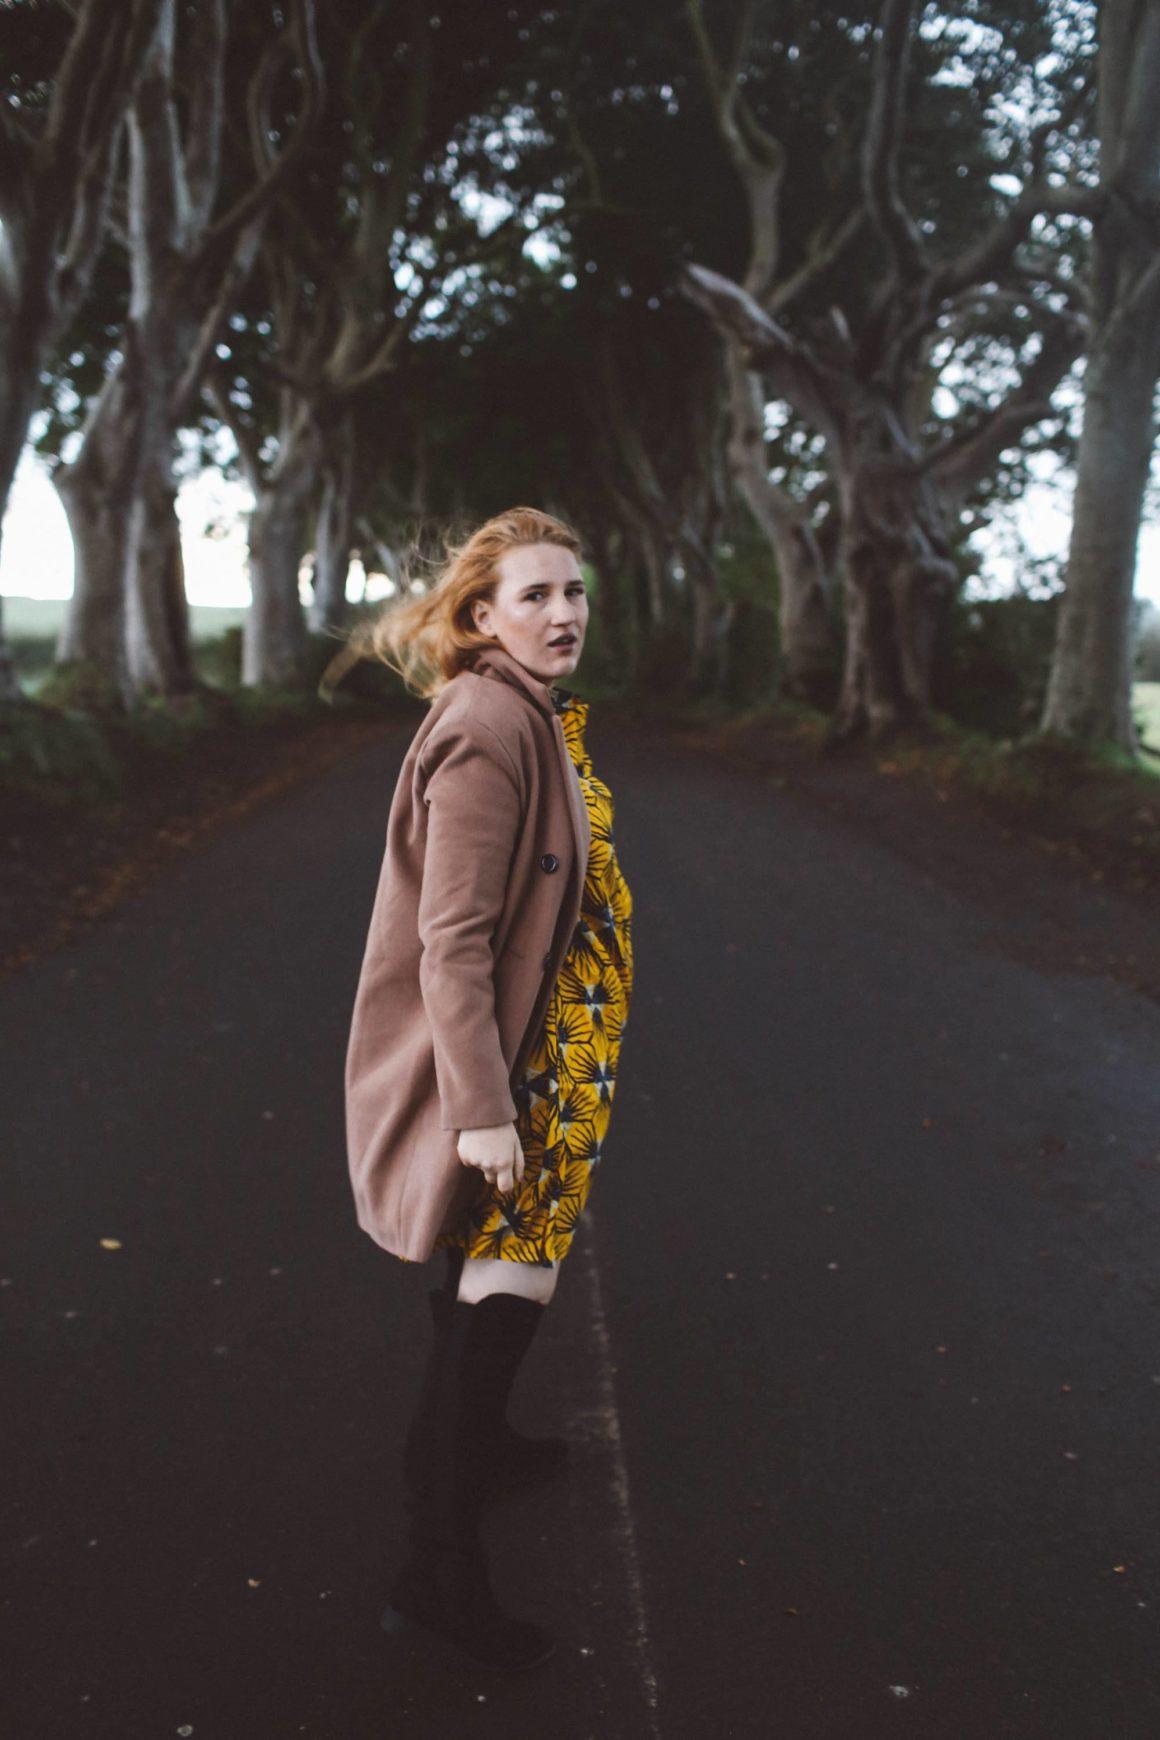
(435, 633)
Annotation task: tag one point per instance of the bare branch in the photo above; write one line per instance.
(367, 268)
(274, 170)
(1141, 302)
(89, 65)
(156, 174)
(204, 126)
(383, 359)
(18, 145)
(201, 356)
(248, 445)
(794, 371)
(820, 257)
(90, 218)
(883, 136)
(967, 455)
(772, 504)
(587, 158)
(991, 255)
(757, 155)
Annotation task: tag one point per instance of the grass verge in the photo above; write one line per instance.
(96, 803)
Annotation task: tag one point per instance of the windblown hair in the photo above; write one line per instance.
(429, 639)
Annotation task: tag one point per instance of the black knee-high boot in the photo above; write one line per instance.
(443, 1584)
(518, 1462)
(505, 1328)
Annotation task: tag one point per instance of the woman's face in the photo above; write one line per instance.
(539, 597)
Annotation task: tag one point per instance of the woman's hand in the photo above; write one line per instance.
(497, 1151)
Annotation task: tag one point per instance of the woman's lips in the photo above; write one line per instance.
(568, 640)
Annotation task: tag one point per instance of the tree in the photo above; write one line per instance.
(804, 554)
(1089, 690)
(61, 137)
(192, 227)
(863, 380)
(372, 232)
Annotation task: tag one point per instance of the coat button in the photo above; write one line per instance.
(549, 861)
(546, 962)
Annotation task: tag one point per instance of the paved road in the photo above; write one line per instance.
(858, 1340)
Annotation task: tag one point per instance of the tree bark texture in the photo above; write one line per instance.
(1089, 690)
(805, 626)
(274, 639)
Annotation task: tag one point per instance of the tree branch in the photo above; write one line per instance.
(1140, 302)
(883, 135)
(796, 373)
(992, 253)
(80, 90)
(204, 127)
(249, 447)
(205, 347)
(970, 452)
(90, 217)
(758, 157)
(820, 257)
(272, 171)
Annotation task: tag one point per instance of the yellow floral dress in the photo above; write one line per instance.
(564, 1101)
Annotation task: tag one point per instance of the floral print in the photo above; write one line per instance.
(564, 1101)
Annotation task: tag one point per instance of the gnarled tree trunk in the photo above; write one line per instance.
(334, 532)
(158, 644)
(898, 571)
(805, 626)
(54, 196)
(1088, 696)
(96, 491)
(856, 390)
(274, 639)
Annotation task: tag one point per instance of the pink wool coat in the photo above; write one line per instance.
(478, 899)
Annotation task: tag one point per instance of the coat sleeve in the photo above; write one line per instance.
(473, 817)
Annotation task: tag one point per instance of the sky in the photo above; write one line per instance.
(36, 556)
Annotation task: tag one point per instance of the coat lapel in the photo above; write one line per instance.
(497, 662)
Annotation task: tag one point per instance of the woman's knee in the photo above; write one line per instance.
(483, 1275)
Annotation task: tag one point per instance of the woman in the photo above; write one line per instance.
(486, 1032)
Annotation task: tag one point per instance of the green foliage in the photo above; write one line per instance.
(991, 662)
(1147, 641)
(56, 756)
(32, 655)
(80, 686)
(167, 726)
(752, 654)
(663, 672)
(1146, 712)
(219, 662)
(219, 657)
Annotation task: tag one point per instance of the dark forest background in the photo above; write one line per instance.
(779, 305)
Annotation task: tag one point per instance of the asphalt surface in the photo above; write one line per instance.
(857, 1341)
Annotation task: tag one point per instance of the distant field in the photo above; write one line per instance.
(33, 618)
(1146, 701)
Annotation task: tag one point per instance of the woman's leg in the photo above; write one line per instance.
(483, 1275)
